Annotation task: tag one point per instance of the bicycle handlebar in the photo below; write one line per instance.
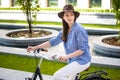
(37, 51)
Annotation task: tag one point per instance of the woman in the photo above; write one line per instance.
(75, 40)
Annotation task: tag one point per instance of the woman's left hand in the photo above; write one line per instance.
(63, 58)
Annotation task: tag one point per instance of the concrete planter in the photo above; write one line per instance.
(24, 42)
(106, 49)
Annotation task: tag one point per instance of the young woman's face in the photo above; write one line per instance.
(69, 17)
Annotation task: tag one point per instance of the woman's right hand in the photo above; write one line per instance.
(30, 48)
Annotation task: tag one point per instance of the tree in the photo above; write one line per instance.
(30, 8)
(116, 7)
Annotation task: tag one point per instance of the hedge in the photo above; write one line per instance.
(59, 9)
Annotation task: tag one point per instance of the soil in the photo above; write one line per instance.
(25, 34)
(115, 41)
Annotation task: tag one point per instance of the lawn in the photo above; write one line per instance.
(60, 24)
(26, 63)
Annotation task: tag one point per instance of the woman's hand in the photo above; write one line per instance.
(63, 58)
(30, 48)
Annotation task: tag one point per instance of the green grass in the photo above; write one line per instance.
(60, 24)
(26, 63)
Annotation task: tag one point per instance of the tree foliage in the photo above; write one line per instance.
(30, 8)
(116, 7)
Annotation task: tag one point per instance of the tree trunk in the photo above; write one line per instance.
(29, 20)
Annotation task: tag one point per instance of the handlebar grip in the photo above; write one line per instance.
(40, 49)
(44, 50)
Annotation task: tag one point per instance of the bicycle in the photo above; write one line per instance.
(95, 75)
(37, 71)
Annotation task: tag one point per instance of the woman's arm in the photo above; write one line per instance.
(71, 55)
(74, 54)
(43, 45)
(52, 42)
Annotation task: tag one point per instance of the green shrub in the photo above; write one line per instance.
(59, 9)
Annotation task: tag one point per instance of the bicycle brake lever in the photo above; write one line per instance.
(54, 57)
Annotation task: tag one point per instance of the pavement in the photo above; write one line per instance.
(9, 74)
(92, 18)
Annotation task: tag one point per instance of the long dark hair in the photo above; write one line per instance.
(65, 29)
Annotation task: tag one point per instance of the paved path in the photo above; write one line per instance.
(92, 18)
(9, 74)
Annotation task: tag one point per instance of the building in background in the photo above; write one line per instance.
(106, 4)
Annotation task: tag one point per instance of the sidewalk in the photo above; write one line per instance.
(91, 18)
(9, 74)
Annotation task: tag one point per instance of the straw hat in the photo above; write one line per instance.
(68, 8)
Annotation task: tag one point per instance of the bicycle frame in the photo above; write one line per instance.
(37, 71)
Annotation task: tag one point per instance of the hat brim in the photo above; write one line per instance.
(60, 14)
